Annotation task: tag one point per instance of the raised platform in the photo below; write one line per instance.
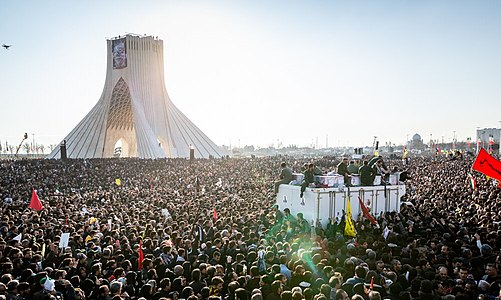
(324, 203)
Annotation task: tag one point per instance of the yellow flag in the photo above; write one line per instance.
(349, 228)
(118, 182)
(376, 153)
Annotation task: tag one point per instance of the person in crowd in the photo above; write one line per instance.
(444, 243)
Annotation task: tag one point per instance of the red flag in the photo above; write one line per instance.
(35, 201)
(366, 212)
(141, 256)
(487, 165)
(214, 214)
(371, 287)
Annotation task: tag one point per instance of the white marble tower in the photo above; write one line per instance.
(136, 110)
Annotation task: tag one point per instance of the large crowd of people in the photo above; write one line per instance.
(208, 229)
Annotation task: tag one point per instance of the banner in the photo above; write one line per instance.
(487, 165)
(349, 228)
(366, 212)
(406, 152)
(35, 201)
(386, 232)
(119, 52)
(64, 240)
(141, 256)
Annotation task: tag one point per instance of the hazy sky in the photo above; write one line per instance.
(254, 72)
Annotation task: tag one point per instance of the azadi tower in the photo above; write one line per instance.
(136, 110)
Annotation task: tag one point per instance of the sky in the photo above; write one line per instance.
(265, 73)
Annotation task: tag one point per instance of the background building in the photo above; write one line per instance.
(489, 137)
(417, 142)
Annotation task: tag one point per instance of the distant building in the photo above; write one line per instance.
(417, 142)
(486, 135)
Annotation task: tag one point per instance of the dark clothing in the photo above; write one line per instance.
(342, 169)
(404, 176)
(304, 226)
(197, 286)
(285, 178)
(317, 171)
(266, 290)
(286, 174)
(273, 296)
(352, 168)
(366, 175)
(490, 279)
(296, 279)
(161, 294)
(253, 283)
(331, 230)
(354, 280)
(309, 177)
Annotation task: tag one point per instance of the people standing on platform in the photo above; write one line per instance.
(317, 171)
(353, 167)
(342, 169)
(382, 170)
(309, 178)
(285, 176)
(367, 174)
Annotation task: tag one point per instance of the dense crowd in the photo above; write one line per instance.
(207, 229)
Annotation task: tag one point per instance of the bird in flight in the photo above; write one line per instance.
(6, 46)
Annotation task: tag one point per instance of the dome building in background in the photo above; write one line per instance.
(417, 142)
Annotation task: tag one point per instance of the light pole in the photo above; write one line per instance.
(454, 140)
(33, 147)
(499, 141)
